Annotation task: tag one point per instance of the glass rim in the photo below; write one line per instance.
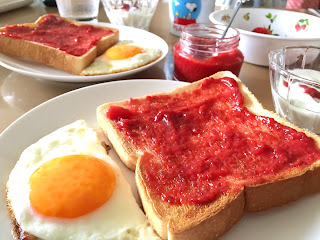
(272, 62)
(207, 37)
(211, 26)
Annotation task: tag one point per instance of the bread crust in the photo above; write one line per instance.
(53, 57)
(268, 195)
(127, 153)
(189, 222)
(214, 219)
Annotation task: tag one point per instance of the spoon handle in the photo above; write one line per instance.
(231, 20)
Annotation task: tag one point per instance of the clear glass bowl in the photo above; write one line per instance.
(295, 85)
(133, 13)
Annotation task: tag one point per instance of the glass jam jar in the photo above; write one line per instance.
(202, 52)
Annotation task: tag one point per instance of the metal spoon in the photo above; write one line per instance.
(231, 20)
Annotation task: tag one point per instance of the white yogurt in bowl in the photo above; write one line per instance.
(134, 17)
(298, 101)
(130, 13)
(295, 85)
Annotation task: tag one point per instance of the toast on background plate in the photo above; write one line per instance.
(91, 41)
(207, 152)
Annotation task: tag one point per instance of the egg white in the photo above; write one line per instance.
(103, 65)
(119, 218)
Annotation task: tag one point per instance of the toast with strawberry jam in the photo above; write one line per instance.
(207, 152)
(57, 42)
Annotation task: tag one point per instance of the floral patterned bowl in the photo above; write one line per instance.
(287, 28)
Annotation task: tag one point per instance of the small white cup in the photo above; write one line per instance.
(79, 10)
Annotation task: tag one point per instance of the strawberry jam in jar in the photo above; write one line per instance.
(201, 52)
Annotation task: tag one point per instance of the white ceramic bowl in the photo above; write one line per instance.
(289, 28)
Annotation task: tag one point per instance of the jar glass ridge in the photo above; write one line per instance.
(201, 48)
(207, 38)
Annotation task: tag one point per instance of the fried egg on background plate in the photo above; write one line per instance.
(125, 55)
(65, 186)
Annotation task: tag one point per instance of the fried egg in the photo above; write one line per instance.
(125, 55)
(65, 186)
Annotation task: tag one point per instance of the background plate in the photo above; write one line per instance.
(296, 221)
(7, 5)
(34, 69)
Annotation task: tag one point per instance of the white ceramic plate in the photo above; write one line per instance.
(296, 221)
(34, 69)
(7, 5)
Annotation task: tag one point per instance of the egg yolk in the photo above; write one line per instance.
(120, 52)
(71, 186)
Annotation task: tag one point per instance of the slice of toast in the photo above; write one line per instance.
(52, 56)
(212, 218)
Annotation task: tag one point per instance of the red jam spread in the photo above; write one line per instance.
(190, 68)
(201, 144)
(55, 32)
